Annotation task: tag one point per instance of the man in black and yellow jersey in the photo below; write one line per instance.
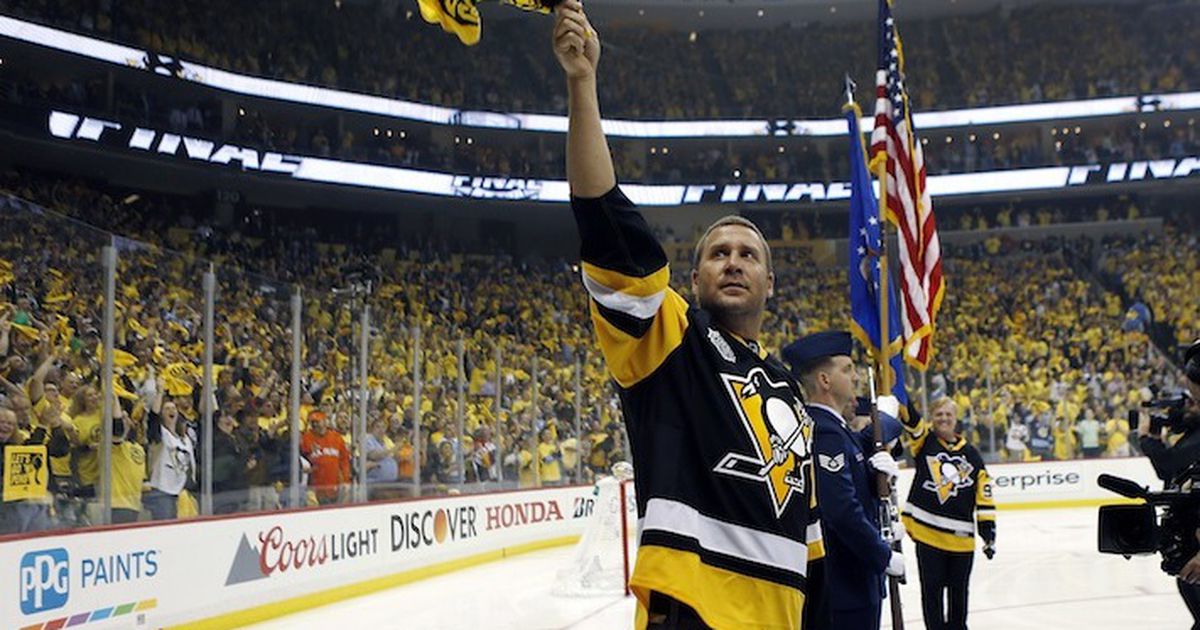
(719, 436)
(950, 499)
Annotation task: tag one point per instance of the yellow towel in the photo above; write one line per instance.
(461, 17)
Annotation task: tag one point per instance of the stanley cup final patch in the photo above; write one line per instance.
(833, 464)
(722, 346)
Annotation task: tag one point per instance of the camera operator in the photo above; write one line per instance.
(1174, 451)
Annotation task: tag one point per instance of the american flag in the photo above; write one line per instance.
(905, 197)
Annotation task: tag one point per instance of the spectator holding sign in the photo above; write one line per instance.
(26, 502)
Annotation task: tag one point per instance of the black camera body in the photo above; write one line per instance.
(1191, 362)
(1131, 530)
(1172, 414)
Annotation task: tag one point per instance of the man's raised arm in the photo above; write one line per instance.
(639, 321)
(577, 46)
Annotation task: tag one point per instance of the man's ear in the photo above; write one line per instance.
(770, 284)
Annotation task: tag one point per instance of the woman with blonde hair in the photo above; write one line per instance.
(86, 414)
(950, 500)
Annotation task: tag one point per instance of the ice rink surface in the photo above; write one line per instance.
(1046, 575)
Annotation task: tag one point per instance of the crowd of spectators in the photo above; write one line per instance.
(1161, 272)
(1030, 364)
(1069, 145)
(1003, 219)
(997, 56)
(49, 341)
(1028, 361)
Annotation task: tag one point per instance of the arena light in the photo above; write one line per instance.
(999, 181)
(325, 97)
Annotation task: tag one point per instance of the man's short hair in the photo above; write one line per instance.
(732, 219)
(808, 371)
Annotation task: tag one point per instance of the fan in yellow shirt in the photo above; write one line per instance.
(1118, 439)
(549, 459)
(128, 475)
(85, 412)
(526, 465)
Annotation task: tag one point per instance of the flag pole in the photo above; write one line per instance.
(888, 508)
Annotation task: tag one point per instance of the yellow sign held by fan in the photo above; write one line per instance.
(26, 472)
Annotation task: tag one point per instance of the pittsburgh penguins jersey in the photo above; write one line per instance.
(951, 491)
(720, 439)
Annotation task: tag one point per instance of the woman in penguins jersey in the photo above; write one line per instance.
(950, 500)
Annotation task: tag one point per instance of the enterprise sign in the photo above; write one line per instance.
(324, 97)
(115, 135)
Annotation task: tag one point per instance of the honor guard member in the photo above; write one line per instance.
(856, 556)
(717, 429)
(950, 498)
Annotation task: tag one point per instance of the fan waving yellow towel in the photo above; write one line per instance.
(461, 17)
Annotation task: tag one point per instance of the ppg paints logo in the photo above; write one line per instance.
(45, 580)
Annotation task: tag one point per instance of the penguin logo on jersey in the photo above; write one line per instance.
(780, 430)
(948, 474)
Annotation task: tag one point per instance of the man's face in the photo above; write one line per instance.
(318, 425)
(731, 276)
(169, 412)
(8, 424)
(843, 381)
(944, 420)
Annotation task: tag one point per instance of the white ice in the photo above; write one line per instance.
(1046, 575)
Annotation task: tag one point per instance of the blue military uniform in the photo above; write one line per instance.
(855, 553)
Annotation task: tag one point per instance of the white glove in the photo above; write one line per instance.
(889, 405)
(882, 462)
(895, 567)
(898, 531)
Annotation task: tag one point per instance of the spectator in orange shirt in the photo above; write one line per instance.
(325, 449)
